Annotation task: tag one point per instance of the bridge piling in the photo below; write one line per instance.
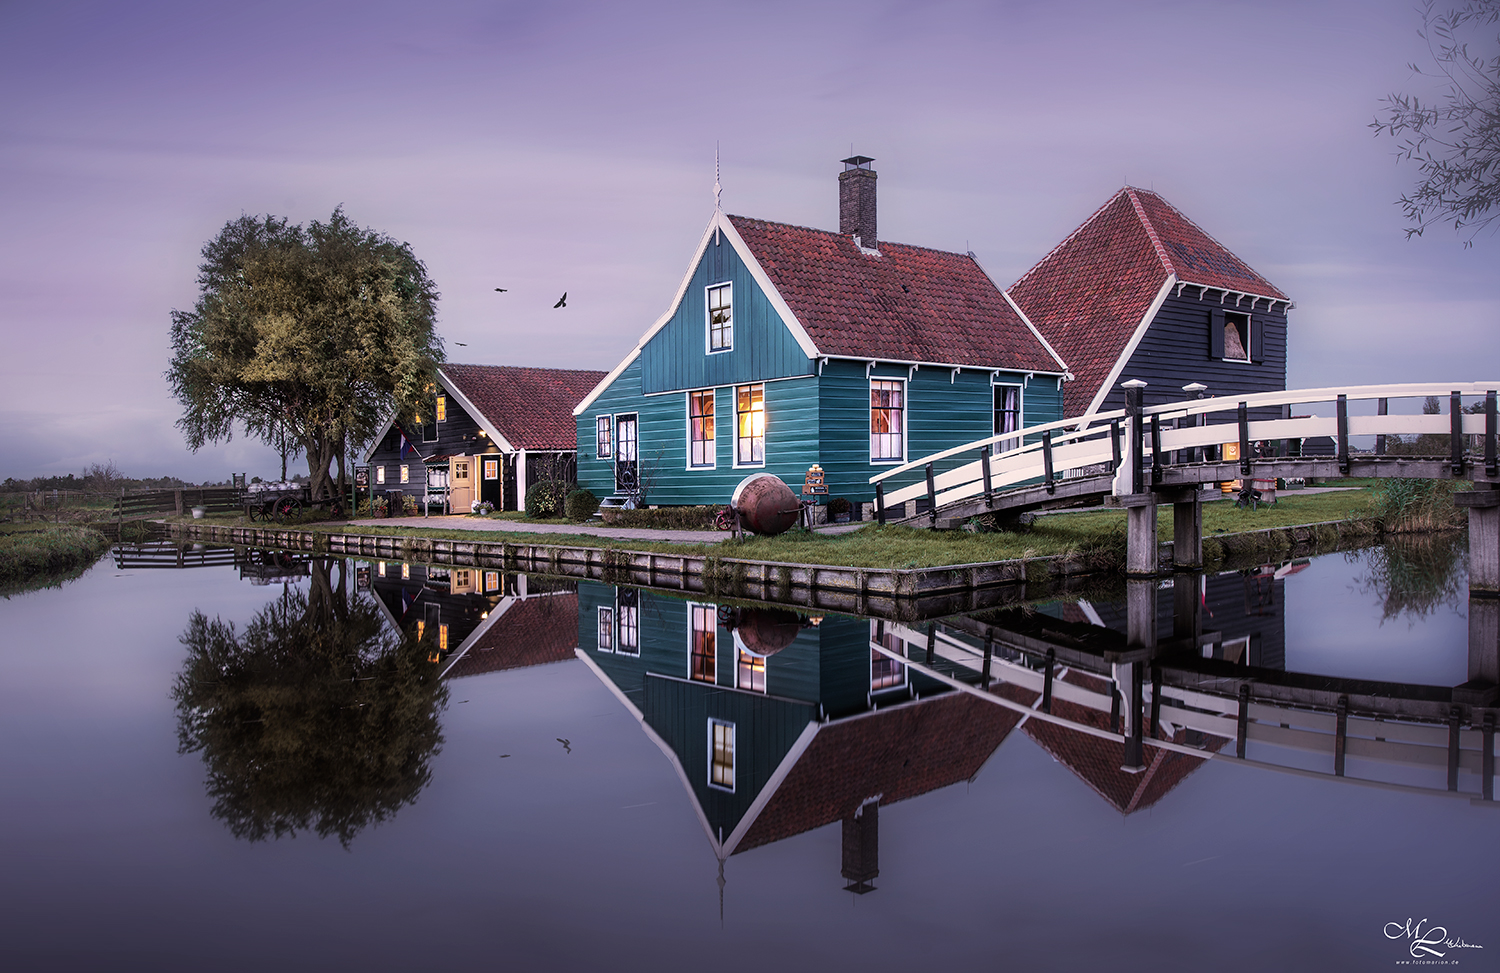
(1187, 529)
(1484, 539)
(1140, 534)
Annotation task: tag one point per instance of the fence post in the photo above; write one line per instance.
(177, 499)
(1490, 465)
(1456, 429)
(1343, 431)
(1155, 449)
(1134, 395)
(931, 497)
(1244, 417)
(984, 464)
(1382, 408)
(880, 503)
(1051, 483)
(1114, 440)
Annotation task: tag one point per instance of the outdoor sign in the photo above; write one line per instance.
(812, 484)
(362, 477)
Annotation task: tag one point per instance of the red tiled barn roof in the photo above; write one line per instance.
(1097, 761)
(532, 632)
(1089, 294)
(898, 753)
(853, 303)
(531, 407)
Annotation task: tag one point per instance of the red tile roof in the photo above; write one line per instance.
(531, 407)
(906, 304)
(896, 753)
(532, 632)
(1097, 761)
(1089, 294)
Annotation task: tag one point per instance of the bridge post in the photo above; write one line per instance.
(1140, 636)
(1140, 534)
(1187, 610)
(1483, 687)
(1187, 529)
(1484, 539)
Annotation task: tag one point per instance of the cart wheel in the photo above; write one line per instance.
(723, 520)
(287, 507)
(253, 511)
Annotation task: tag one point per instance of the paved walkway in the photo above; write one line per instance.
(593, 529)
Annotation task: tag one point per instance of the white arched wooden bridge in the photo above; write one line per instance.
(1144, 456)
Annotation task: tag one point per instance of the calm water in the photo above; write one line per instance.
(612, 779)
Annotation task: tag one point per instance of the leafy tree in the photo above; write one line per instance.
(310, 334)
(1455, 142)
(315, 717)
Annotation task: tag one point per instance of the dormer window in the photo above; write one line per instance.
(720, 318)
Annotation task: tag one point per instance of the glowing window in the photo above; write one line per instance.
(405, 473)
(721, 755)
(441, 409)
(701, 429)
(887, 420)
(751, 673)
(703, 659)
(492, 469)
(380, 474)
(750, 425)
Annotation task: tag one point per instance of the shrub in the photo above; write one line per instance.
(544, 498)
(580, 505)
(1406, 505)
(682, 518)
(838, 505)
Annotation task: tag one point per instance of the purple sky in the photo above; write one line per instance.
(570, 146)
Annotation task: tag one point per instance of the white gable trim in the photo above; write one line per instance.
(718, 224)
(481, 418)
(1130, 347)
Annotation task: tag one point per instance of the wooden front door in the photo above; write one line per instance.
(460, 484)
(627, 466)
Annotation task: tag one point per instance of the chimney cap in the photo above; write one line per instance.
(857, 162)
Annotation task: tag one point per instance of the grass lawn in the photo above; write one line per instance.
(1092, 534)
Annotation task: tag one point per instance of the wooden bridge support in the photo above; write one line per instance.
(1484, 539)
(1140, 534)
(1140, 638)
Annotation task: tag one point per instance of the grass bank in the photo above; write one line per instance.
(39, 556)
(1095, 537)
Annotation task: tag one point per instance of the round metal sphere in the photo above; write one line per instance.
(766, 505)
(765, 631)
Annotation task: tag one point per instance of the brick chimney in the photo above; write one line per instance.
(857, 200)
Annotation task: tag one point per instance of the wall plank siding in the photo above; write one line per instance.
(675, 358)
(1175, 352)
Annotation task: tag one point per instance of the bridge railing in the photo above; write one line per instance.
(1069, 444)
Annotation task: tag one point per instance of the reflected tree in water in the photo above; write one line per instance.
(1415, 575)
(315, 717)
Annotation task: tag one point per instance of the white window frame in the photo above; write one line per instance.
(380, 475)
(713, 613)
(601, 451)
(1020, 388)
(1249, 323)
(733, 755)
(405, 472)
(765, 427)
(708, 330)
(713, 444)
(905, 420)
(606, 626)
(743, 659)
(905, 669)
(634, 626)
(491, 467)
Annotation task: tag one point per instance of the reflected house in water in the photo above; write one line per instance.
(480, 620)
(779, 724)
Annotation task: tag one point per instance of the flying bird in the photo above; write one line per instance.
(567, 745)
(460, 344)
(500, 289)
(561, 301)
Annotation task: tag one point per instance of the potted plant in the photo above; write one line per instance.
(838, 510)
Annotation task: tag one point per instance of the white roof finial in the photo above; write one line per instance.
(718, 190)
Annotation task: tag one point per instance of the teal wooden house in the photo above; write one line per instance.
(787, 347)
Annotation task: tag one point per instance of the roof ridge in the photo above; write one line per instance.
(835, 233)
(535, 368)
(1069, 238)
(1140, 212)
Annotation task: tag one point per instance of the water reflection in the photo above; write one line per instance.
(316, 716)
(1415, 575)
